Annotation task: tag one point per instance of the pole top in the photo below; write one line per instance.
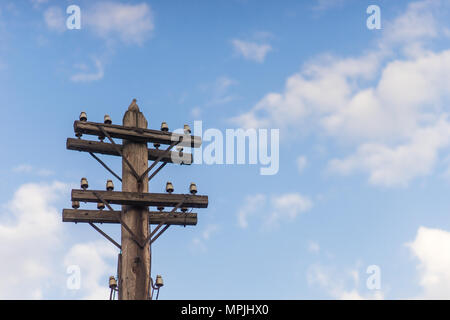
(133, 106)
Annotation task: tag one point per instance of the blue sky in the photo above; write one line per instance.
(364, 168)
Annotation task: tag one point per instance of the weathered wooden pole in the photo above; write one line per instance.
(135, 265)
(134, 261)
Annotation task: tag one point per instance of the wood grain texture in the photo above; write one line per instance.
(107, 216)
(135, 267)
(108, 149)
(141, 199)
(131, 133)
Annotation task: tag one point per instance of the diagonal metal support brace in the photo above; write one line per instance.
(119, 216)
(105, 166)
(166, 152)
(105, 235)
(133, 171)
(160, 233)
(156, 171)
(161, 223)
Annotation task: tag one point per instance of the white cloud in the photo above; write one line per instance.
(30, 234)
(432, 248)
(303, 94)
(302, 161)
(128, 23)
(342, 285)
(283, 207)
(199, 242)
(222, 84)
(112, 21)
(26, 168)
(44, 172)
(209, 230)
(416, 23)
(88, 76)
(55, 19)
(446, 32)
(131, 23)
(23, 168)
(92, 257)
(251, 50)
(219, 91)
(287, 207)
(253, 203)
(397, 166)
(33, 243)
(196, 112)
(381, 102)
(313, 247)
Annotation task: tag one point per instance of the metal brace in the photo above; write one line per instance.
(133, 171)
(105, 235)
(119, 216)
(166, 152)
(105, 166)
(161, 223)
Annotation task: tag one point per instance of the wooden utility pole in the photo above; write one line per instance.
(135, 266)
(135, 216)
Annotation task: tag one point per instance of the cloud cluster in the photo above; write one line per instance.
(251, 50)
(219, 91)
(29, 236)
(199, 242)
(342, 284)
(302, 162)
(391, 106)
(283, 207)
(85, 74)
(55, 19)
(398, 165)
(130, 23)
(432, 248)
(28, 169)
(95, 262)
(111, 21)
(32, 246)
